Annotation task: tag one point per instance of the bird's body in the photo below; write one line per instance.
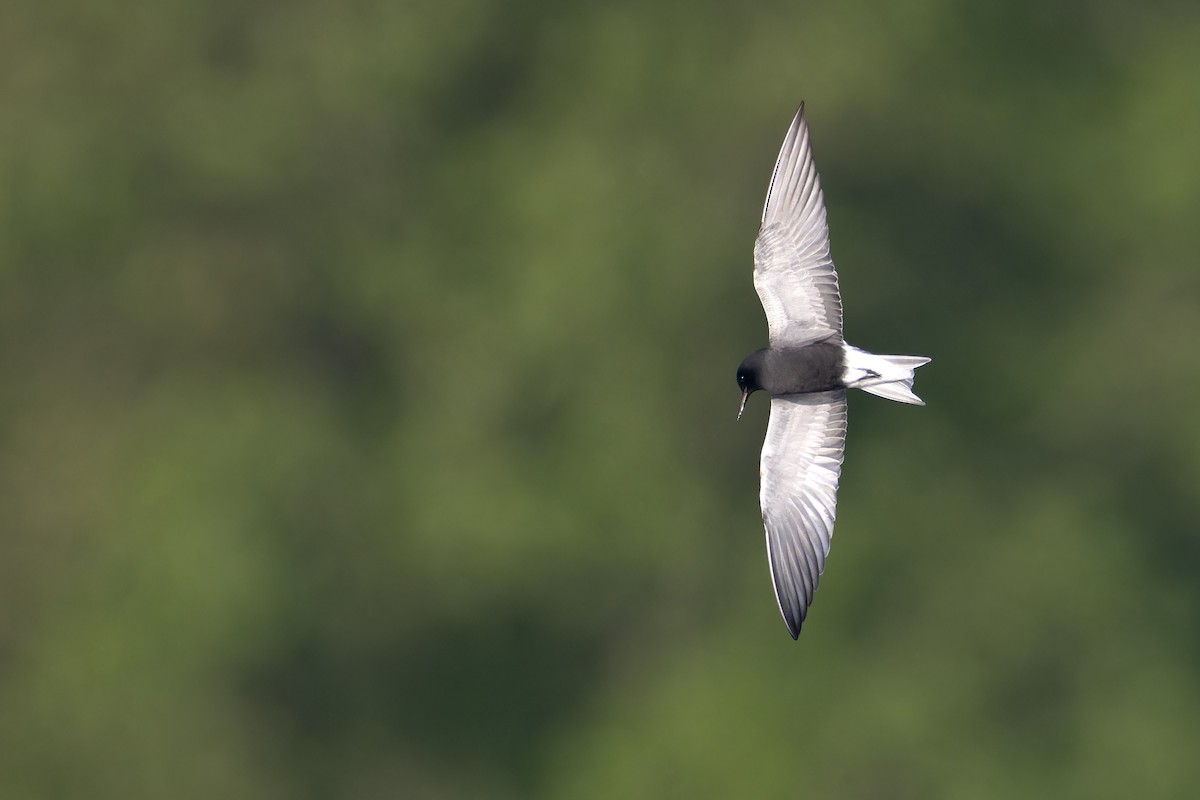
(806, 370)
(815, 367)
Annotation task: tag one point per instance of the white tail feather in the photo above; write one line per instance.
(890, 377)
(901, 392)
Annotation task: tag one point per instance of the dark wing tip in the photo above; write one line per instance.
(799, 114)
(795, 579)
(790, 164)
(794, 622)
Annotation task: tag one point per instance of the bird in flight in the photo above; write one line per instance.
(806, 370)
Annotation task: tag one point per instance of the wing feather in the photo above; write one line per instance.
(800, 466)
(793, 270)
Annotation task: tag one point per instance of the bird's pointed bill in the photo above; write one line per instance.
(745, 397)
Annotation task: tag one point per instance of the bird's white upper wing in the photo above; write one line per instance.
(801, 462)
(793, 271)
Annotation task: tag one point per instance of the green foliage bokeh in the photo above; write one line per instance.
(367, 403)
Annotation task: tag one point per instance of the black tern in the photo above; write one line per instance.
(806, 370)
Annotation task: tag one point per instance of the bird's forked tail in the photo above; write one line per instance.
(890, 377)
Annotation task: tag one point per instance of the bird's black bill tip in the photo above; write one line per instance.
(742, 407)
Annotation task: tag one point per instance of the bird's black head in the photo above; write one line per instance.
(749, 376)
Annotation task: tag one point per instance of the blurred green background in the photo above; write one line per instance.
(367, 401)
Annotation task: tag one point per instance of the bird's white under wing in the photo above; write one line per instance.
(793, 271)
(800, 466)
